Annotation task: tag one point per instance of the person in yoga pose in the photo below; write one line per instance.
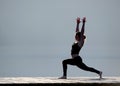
(76, 47)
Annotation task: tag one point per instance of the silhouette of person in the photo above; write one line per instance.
(76, 47)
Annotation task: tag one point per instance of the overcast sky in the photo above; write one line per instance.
(46, 27)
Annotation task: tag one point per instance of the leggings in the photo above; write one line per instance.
(77, 61)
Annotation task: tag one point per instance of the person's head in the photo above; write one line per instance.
(78, 36)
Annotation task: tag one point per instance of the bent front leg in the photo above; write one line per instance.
(65, 62)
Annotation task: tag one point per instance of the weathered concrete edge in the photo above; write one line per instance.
(63, 84)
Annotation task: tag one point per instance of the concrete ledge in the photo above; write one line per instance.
(61, 84)
(53, 81)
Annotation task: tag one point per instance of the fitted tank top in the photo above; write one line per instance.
(76, 47)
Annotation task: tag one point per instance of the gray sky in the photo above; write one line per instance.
(46, 28)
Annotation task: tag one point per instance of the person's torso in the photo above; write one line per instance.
(76, 47)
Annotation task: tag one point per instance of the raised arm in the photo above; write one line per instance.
(77, 26)
(83, 27)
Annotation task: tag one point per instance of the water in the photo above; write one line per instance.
(24, 61)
